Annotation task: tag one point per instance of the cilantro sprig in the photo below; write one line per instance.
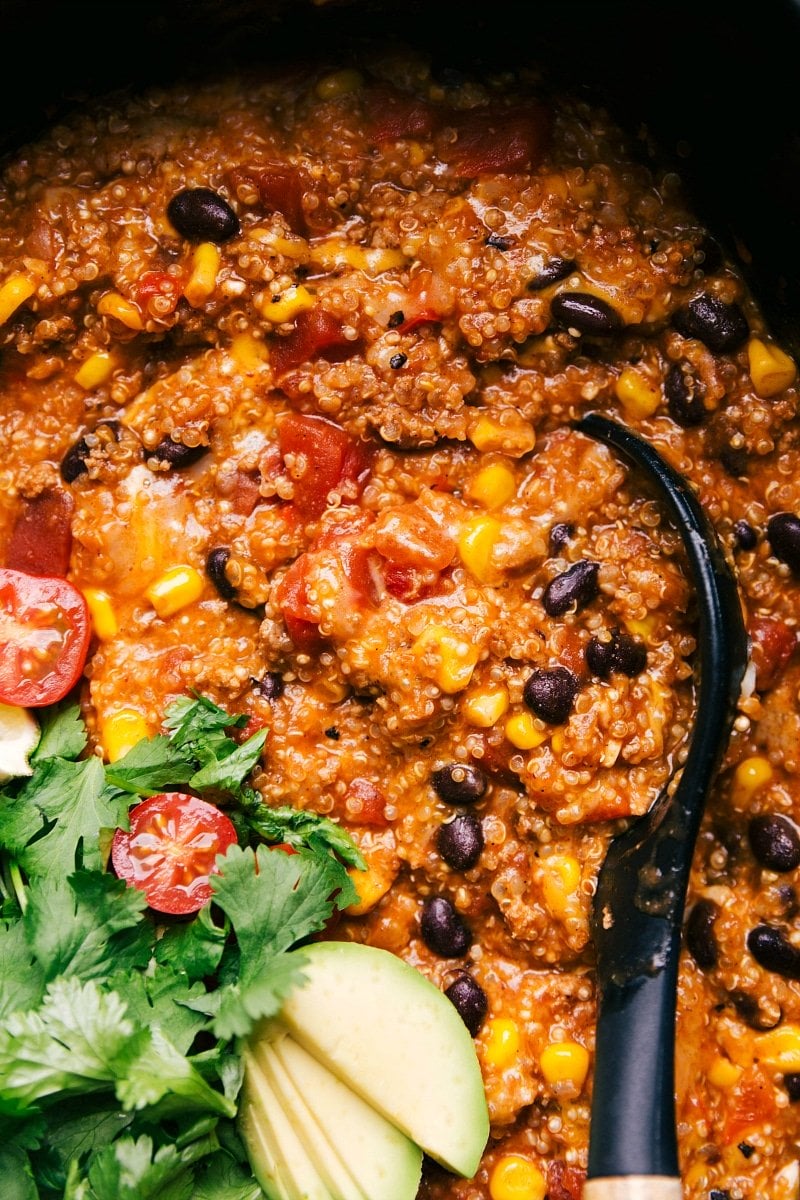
(119, 1069)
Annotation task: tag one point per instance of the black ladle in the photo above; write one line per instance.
(638, 910)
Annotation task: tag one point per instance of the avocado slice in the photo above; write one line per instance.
(382, 1160)
(392, 1037)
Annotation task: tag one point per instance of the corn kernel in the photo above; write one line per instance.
(562, 876)
(771, 370)
(288, 306)
(202, 282)
(779, 1048)
(723, 1073)
(751, 774)
(501, 1041)
(445, 657)
(557, 741)
(475, 544)
(643, 627)
(339, 83)
(493, 486)
(565, 1065)
(371, 885)
(514, 436)
(416, 154)
(104, 619)
(122, 310)
(372, 260)
(485, 706)
(96, 370)
(15, 291)
(522, 731)
(637, 394)
(516, 1178)
(249, 352)
(175, 589)
(120, 732)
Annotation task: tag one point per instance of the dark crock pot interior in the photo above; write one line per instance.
(714, 83)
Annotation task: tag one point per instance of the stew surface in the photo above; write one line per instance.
(288, 367)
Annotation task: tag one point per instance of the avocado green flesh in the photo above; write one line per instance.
(392, 1037)
(382, 1160)
(257, 1137)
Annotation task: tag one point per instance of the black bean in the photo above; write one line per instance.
(550, 693)
(460, 841)
(772, 950)
(783, 531)
(216, 563)
(684, 395)
(333, 733)
(576, 586)
(443, 930)
(396, 318)
(718, 325)
(585, 313)
(73, 464)
(559, 536)
(775, 841)
(746, 1149)
(397, 361)
(791, 1081)
(751, 1012)
(178, 455)
(270, 685)
(746, 536)
(552, 272)
(469, 999)
(498, 242)
(620, 653)
(719, 1194)
(459, 783)
(201, 215)
(700, 937)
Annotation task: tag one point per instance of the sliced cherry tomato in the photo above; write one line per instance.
(44, 638)
(171, 850)
(41, 540)
(332, 459)
(314, 330)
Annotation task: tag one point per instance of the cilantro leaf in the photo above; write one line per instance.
(299, 828)
(16, 1176)
(191, 721)
(58, 815)
(85, 1125)
(273, 900)
(63, 733)
(151, 765)
(71, 924)
(130, 1170)
(150, 1070)
(227, 773)
(69, 1044)
(194, 947)
(160, 997)
(21, 979)
(220, 1178)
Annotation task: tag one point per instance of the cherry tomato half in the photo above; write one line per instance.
(171, 849)
(44, 638)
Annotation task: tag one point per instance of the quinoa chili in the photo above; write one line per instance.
(288, 371)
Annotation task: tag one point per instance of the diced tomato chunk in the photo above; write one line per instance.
(365, 804)
(315, 330)
(564, 1182)
(496, 139)
(281, 187)
(410, 536)
(752, 1105)
(159, 284)
(408, 584)
(394, 114)
(330, 461)
(429, 300)
(41, 540)
(773, 644)
(292, 598)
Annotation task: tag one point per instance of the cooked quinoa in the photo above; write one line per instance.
(319, 340)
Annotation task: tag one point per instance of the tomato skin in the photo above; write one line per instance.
(41, 540)
(333, 460)
(170, 852)
(315, 330)
(292, 598)
(158, 285)
(395, 114)
(281, 186)
(47, 614)
(773, 644)
(498, 139)
(369, 807)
